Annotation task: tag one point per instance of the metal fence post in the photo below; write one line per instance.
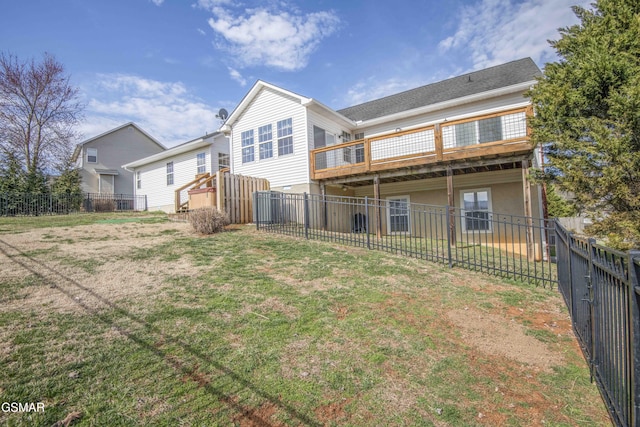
(256, 204)
(634, 309)
(449, 237)
(590, 299)
(306, 216)
(366, 221)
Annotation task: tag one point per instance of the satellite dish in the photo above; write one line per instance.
(222, 114)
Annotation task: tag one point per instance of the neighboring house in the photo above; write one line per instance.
(159, 176)
(100, 158)
(461, 142)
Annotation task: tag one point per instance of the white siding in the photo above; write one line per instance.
(269, 107)
(220, 145)
(161, 196)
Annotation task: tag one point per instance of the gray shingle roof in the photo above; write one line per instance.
(511, 73)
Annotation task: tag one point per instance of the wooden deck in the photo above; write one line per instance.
(439, 144)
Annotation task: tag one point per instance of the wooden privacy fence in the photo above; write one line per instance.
(230, 193)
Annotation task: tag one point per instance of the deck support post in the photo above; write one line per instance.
(451, 205)
(526, 193)
(377, 209)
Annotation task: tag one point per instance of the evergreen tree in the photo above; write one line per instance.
(588, 117)
(557, 206)
(68, 182)
(12, 175)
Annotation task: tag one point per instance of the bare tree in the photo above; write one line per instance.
(39, 110)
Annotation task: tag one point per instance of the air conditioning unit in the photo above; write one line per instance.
(267, 209)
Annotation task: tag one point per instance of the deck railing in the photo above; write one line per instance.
(488, 135)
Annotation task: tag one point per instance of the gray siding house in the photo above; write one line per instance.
(100, 158)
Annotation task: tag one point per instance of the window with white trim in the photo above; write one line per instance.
(247, 146)
(481, 131)
(398, 214)
(201, 159)
(265, 143)
(285, 137)
(138, 180)
(223, 161)
(170, 173)
(476, 209)
(92, 155)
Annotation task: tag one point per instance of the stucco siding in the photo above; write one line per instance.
(269, 107)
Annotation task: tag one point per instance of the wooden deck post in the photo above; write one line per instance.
(526, 192)
(437, 133)
(451, 202)
(377, 209)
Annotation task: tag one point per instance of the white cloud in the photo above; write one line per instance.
(278, 39)
(157, 2)
(210, 4)
(235, 75)
(497, 31)
(167, 110)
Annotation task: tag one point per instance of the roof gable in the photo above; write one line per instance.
(473, 83)
(252, 94)
(79, 146)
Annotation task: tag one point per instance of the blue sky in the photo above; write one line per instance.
(170, 65)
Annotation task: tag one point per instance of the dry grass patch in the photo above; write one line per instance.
(150, 324)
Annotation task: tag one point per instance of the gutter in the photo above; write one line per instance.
(520, 87)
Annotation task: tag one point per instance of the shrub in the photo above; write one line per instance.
(104, 205)
(208, 220)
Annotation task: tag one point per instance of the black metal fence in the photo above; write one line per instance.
(601, 289)
(63, 204)
(508, 246)
(98, 202)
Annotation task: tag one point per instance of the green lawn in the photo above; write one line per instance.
(141, 322)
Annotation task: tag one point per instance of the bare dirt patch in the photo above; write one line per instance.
(498, 335)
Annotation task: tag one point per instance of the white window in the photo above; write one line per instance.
(285, 137)
(322, 138)
(138, 180)
(491, 129)
(92, 155)
(326, 159)
(247, 146)
(202, 163)
(170, 173)
(476, 210)
(223, 161)
(265, 137)
(398, 214)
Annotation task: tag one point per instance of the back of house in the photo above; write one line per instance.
(462, 142)
(100, 158)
